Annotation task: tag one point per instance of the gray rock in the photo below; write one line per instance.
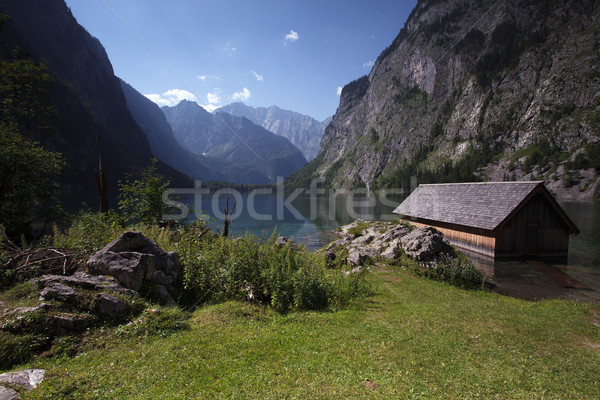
(23, 310)
(357, 256)
(395, 233)
(423, 244)
(109, 306)
(85, 281)
(130, 269)
(166, 265)
(70, 322)
(27, 378)
(354, 270)
(363, 239)
(8, 394)
(58, 291)
(393, 252)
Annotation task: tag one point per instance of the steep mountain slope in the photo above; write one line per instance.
(153, 123)
(86, 94)
(485, 89)
(252, 154)
(303, 131)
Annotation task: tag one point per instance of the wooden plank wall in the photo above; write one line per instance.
(536, 217)
(476, 243)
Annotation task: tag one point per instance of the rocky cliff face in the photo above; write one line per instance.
(247, 152)
(473, 90)
(86, 94)
(303, 131)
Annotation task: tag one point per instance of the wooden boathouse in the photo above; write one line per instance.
(495, 219)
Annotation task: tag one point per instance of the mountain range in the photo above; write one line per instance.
(473, 90)
(303, 131)
(253, 154)
(88, 99)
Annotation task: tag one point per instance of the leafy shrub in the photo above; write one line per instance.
(358, 229)
(284, 277)
(18, 348)
(89, 232)
(457, 271)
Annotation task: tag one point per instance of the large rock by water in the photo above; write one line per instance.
(423, 244)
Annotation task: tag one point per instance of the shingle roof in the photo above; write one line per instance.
(479, 205)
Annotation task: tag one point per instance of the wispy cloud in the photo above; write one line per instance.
(202, 77)
(339, 91)
(243, 95)
(171, 97)
(213, 97)
(369, 64)
(230, 48)
(291, 37)
(258, 76)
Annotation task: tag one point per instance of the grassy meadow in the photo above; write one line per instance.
(412, 338)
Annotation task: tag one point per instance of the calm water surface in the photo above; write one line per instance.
(310, 221)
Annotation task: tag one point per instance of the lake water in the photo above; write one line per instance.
(311, 219)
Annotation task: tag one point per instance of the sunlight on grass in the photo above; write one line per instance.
(412, 339)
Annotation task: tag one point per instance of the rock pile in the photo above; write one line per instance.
(103, 291)
(363, 241)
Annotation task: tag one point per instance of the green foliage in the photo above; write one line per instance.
(543, 154)
(27, 170)
(457, 271)
(89, 232)
(140, 200)
(23, 86)
(157, 322)
(284, 277)
(18, 348)
(358, 229)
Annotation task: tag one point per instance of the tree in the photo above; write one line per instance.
(141, 199)
(26, 171)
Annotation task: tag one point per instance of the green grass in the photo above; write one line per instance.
(413, 339)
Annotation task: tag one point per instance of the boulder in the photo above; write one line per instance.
(86, 281)
(8, 394)
(357, 256)
(363, 239)
(423, 244)
(70, 322)
(393, 252)
(165, 265)
(58, 291)
(26, 379)
(109, 306)
(130, 269)
(395, 233)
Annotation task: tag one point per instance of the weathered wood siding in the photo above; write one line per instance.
(535, 230)
(475, 242)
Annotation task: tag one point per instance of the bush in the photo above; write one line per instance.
(89, 232)
(284, 277)
(457, 271)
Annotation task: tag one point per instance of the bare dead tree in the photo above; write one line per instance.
(100, 175)
(228, 215)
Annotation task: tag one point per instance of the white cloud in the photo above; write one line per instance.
(369, 64)
(339, 91)
(258, 76)
(241, 96)
(171, 97)
(209, 107)
(213, 98)
(157, 98)
(202, 77)
(292, 36)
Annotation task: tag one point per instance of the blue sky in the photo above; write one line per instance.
(293, 54)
